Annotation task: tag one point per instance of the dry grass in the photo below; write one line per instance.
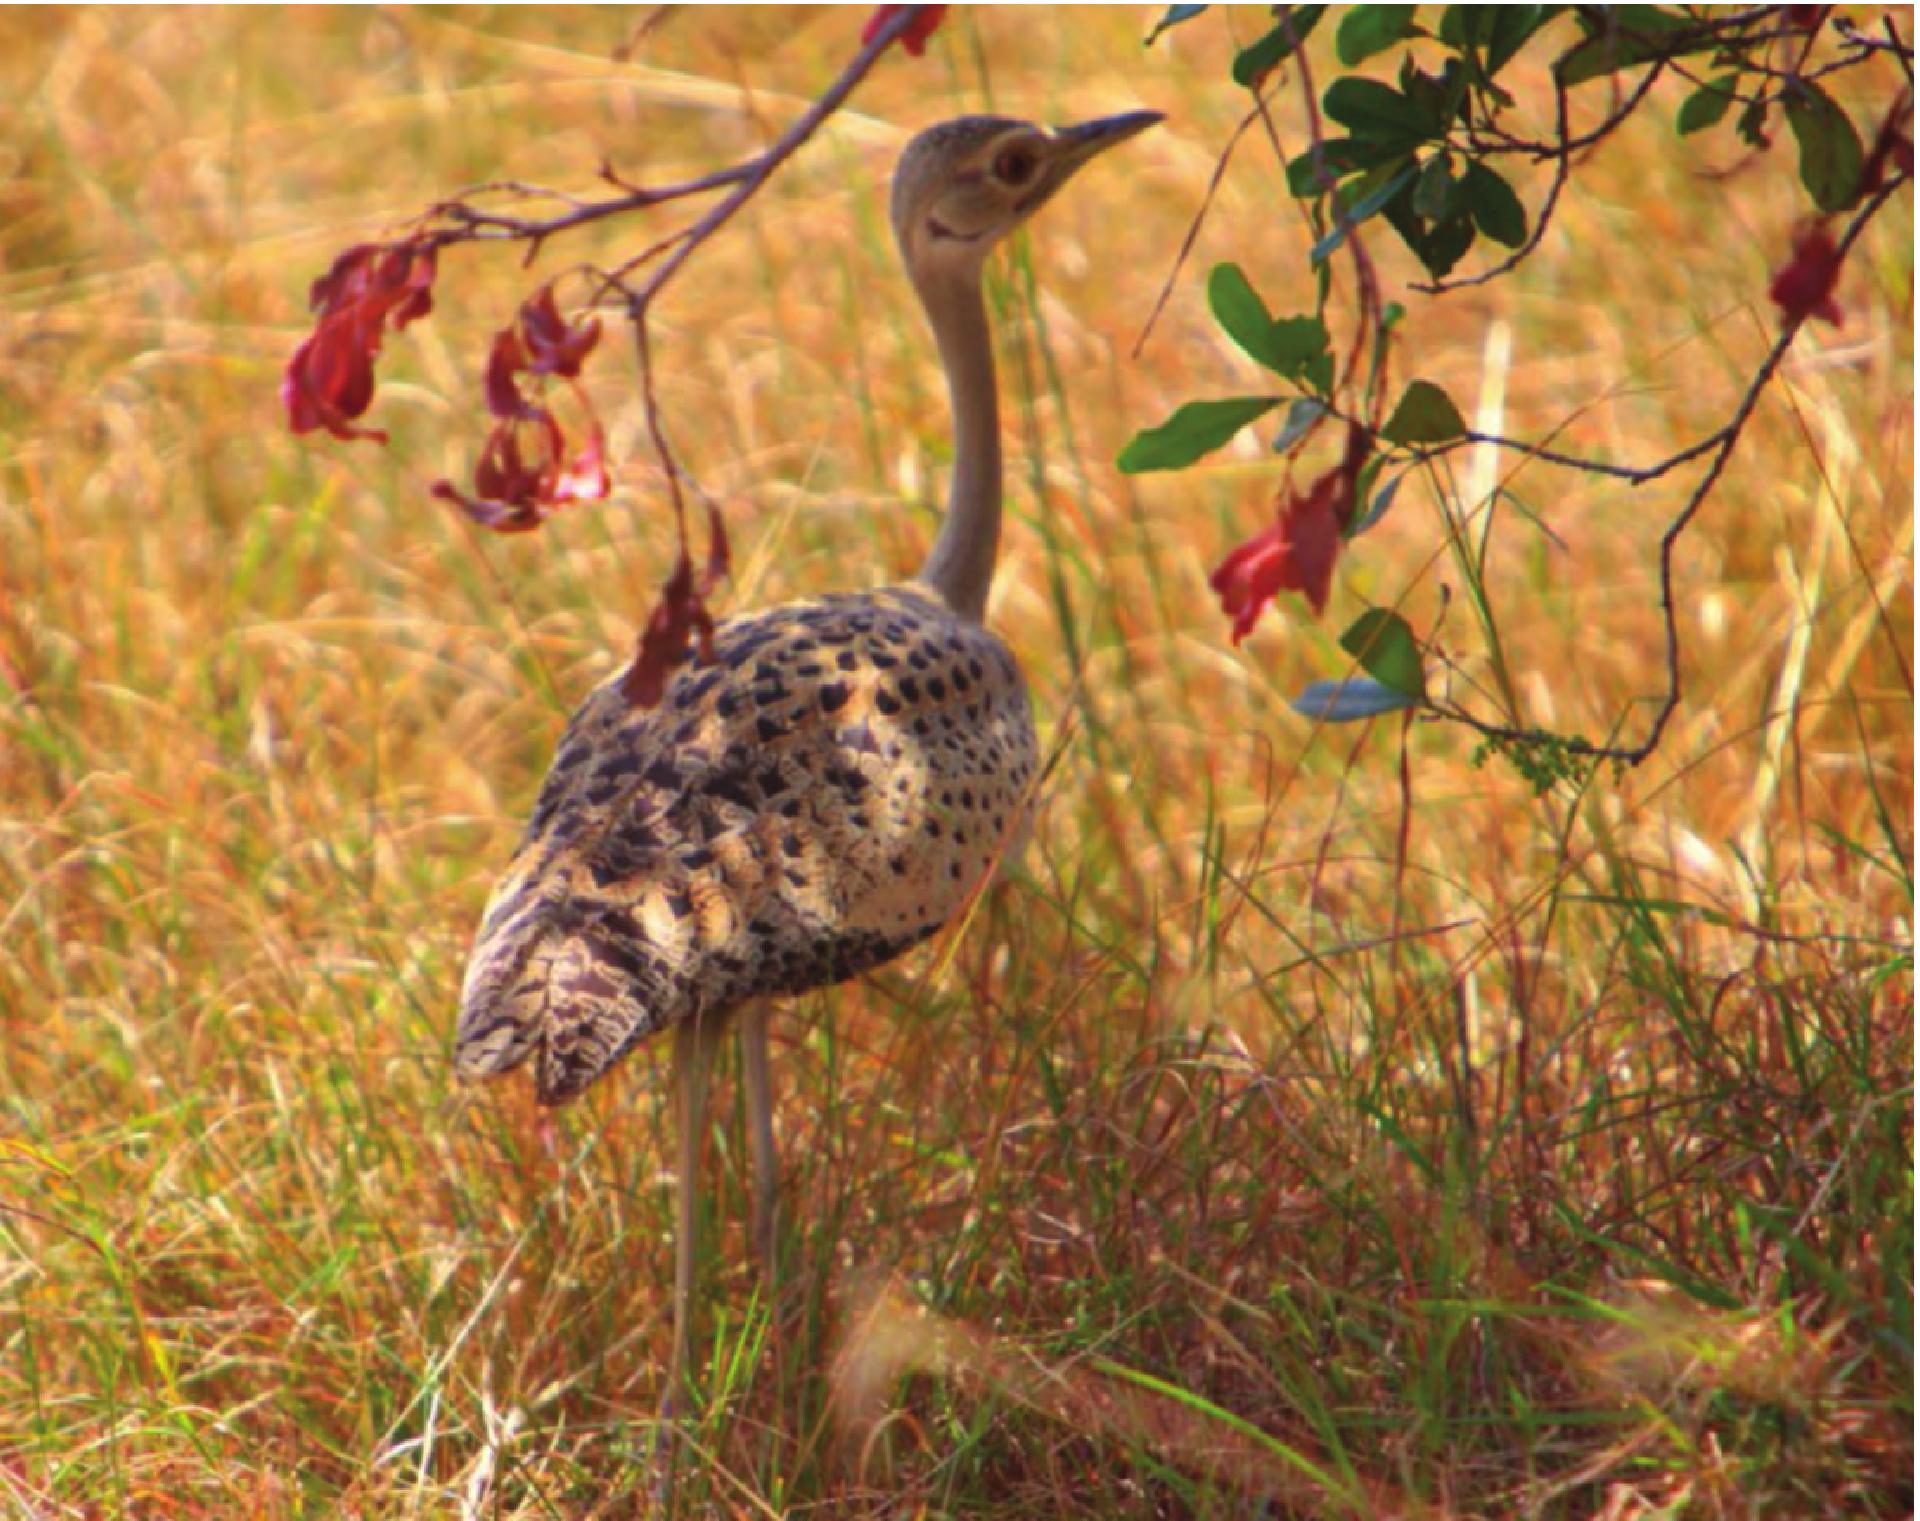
(1191, 1185)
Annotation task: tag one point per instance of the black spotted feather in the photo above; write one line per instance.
(819, 798)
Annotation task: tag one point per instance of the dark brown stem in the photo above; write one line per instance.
(1363, 271)
(746, 179)
(1564, 145)
(1562, 168)
(1720, 444)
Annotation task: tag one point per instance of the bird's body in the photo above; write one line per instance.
(817, 800)
(821, 795)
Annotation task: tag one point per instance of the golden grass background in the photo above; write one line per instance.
(1177, 1102)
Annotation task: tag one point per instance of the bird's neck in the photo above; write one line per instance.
(960, 565)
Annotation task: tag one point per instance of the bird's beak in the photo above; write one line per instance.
(1070, 148)
(1078, 144)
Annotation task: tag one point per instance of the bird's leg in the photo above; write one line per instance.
(766, 1162)
(693, 1043)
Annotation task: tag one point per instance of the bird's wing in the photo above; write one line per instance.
(817, 799)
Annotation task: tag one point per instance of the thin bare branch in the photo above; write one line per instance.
(1193, 228)
(1491, 139)
(747, 179)
(1720, 445)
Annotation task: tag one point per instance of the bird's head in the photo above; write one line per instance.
(965, 184)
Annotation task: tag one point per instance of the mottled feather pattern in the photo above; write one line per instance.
(821, 796)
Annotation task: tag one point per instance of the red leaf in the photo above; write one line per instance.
(539, 342)
(346, 281)
(680, 614)
(553, 345)
(585, 478)
(412, 285)
(498, 516)
(329, 380)
(1298, 550)
(719, 552)
(505, 360)
(512, 491)
(1804, 286)
(1249, 578)
(515, 491)
(926, 22)
(1295, 553)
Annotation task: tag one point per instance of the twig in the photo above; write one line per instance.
(1505, 142)
(1193, 229)
(1721, 445)
(458, 220)
(1901, 50)
(756, 171)
(747, 179)
(1562, 168)
(1637, 475)
(471, 224)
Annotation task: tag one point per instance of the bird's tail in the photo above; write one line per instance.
(568, 996)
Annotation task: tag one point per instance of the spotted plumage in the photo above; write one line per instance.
(820, 797)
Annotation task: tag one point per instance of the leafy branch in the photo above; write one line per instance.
(1420, 156)
(1719, 445)
(528, 468)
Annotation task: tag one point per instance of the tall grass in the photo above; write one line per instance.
(1314, 1123)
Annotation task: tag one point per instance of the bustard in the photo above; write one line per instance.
(822, 795)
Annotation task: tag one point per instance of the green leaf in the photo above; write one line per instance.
(1706, 105)
(1495, 209)
(1175, 14)
(1289, 346)
(1378, 508)
(1425, 416)
(1377, 112)
(1301, 417)
(1465, 26)
(1497, 31)
(1195, 429)
(1751, 124)
(1253, 63)
(1625, 36)
(1242, 315)
(1344, 702)
(1369, 29)
(1318, 372)
(1384, 645)
(1433, 191)
(1513, 25)
(1339, 157)
(1439, 245)
(1367, 206)
(1296, 343)
(1830, 154)
(1437, 98)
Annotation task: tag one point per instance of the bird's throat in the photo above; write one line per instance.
(960, 565)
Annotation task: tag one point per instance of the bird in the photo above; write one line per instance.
(821, 792)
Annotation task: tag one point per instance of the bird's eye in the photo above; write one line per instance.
(1014, 166)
